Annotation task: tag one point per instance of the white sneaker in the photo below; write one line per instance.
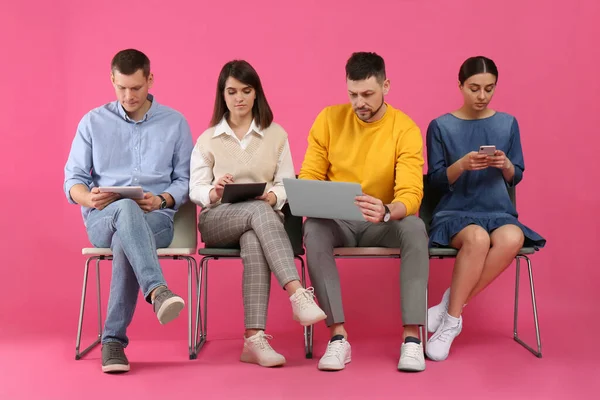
(306, 311)
(438, 347)
(411, 357)
(435, 314)
(337, 355)
(257, 350)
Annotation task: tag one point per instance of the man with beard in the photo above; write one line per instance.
(371, 143)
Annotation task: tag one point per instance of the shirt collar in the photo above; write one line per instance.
(149, 113)
(224, 128)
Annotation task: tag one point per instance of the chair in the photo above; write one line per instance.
(430, 200)
(293, 227)
(183, 247)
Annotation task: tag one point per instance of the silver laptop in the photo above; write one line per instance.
(323, 199)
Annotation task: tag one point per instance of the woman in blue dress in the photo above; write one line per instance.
(475, 215)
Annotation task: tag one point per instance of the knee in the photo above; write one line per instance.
(476, 238)
(510, 237)
(128, 207)
(260, 207)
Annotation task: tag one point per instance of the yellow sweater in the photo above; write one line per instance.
(385, 157)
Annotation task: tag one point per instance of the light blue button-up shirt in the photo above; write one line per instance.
(110, 149)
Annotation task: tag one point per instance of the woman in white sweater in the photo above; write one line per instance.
(243, 145)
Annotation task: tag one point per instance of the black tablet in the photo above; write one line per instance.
(236, 192)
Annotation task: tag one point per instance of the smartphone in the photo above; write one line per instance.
(487, 150)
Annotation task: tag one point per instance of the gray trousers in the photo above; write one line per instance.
(408, 234)
(265, 248)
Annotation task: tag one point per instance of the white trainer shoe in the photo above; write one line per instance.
(306, 311)
(337, 355)
(435, 314)
(257, 350)
(438, 347)
(412, 357)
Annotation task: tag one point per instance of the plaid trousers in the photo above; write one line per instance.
(265, 248)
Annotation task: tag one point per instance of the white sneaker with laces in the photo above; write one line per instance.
(438, 347)
(306, 311)
(257, 350)
(337, 355)
(411, 357)
(435, 314)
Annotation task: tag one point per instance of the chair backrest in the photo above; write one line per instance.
(293, 227)
(185, 227)
(431, 198)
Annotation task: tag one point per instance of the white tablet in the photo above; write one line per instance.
(129, 192)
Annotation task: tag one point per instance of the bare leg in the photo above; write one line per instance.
(506, 242)
(338, 329)
(473, 244)
(410, 330)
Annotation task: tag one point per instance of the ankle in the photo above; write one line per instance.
(251, 332)
(292, 287)
(338, 329)
(410, 330)
(153, 294)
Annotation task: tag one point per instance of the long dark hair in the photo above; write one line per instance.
(243, 72)
(476, 65)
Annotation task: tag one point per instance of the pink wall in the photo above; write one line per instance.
(56, 67)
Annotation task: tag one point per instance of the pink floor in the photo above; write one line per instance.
(37, 345)
(484, 364)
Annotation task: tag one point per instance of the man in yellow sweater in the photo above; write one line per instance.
(371, 143)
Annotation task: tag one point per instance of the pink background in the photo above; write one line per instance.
(55, 67)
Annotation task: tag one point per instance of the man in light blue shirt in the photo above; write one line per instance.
(133, 141)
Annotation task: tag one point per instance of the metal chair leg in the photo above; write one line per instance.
(199, 273)
(189, 304)
(423, 328)
(201, 302)
(205, 290)
(193, 274)
(537, 353)
(307, 329)
(78, 354)
(99, 298)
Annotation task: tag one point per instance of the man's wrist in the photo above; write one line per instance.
(387, 214)
(163, 203)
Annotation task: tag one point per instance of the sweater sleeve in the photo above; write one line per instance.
(408, 187)
(316, 159)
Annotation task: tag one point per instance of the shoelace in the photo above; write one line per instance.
(306, 298)
(262, 342)
(412, 351)
(444, 334)
(115, 351)
(335, 348)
